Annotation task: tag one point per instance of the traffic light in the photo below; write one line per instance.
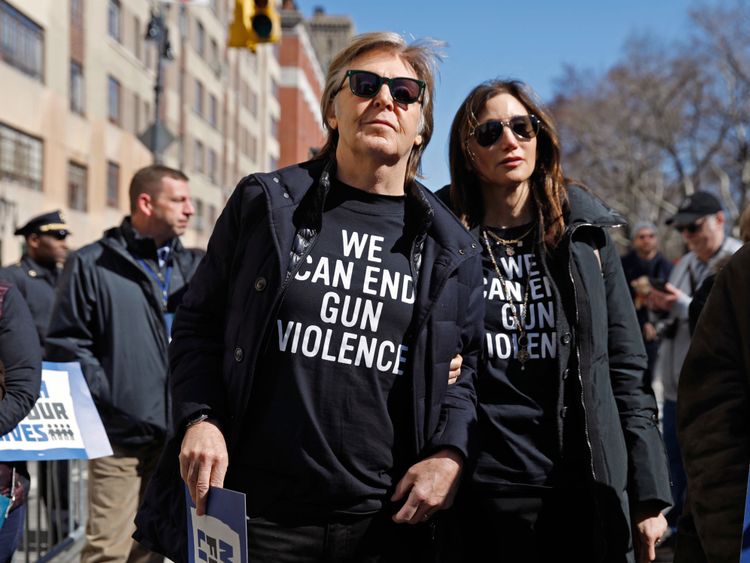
(255, 21)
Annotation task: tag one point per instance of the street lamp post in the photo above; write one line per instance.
(157, 137)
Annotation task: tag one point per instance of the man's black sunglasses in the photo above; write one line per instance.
(59, 235)
(692, 228)
(366, 84)
(524, 127)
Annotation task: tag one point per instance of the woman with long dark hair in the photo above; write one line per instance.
(569, 463)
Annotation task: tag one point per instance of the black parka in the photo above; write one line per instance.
(601, 346)
(20, 357)
(109, 317)
(268, 225)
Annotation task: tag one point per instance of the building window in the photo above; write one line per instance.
(20, 158)
(21, 42)
(212, 164)
(113, 100)
(113, 19)
(214, 53)
(76, 13)
(253, 103)
(200, 39)
(136, 113)
(77, 187)
(213, 110)
(137, 39)
(211, 216)
(76, 87)
(198, 219)
(198, 156)
(253, 148)
(198, 101)
(113, 184)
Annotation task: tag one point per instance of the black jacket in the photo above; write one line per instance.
(604, 348)
(37, 285)
(20, 356)
(268, 225)
(109, 317)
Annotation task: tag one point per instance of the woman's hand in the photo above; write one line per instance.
(650, 529)
(455, 369)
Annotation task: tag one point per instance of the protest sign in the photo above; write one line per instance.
(220, 535)
(63, 424)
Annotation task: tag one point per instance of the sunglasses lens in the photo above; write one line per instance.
(524, 126)
(405, 90)
(367, 84)
(364, 84)
(487, 133)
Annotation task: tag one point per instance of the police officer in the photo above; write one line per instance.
(35, 275)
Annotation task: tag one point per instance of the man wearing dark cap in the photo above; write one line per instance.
(35, 275)
(116, 298)
(700, 220)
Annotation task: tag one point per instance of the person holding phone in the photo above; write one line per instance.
(700, 221)
(646, 268)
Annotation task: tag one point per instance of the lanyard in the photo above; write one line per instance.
(163, 284)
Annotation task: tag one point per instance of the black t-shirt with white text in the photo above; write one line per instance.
(320, 436)
(517, 424)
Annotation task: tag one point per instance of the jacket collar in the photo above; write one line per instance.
(585, 208)
(49, 273)
(306, 186)
(128, 243)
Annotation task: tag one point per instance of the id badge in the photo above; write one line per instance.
(168, 318)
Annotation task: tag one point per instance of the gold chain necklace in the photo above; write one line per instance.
(508, 244)
(523, 341)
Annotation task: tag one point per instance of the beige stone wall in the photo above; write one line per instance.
(41, 109)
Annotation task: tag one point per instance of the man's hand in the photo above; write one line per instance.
(455, 369)
(650, 529)
(663, 300)
(203, 461)
(430, 484)
(649, 332)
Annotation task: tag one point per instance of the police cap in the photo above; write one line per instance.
(51, 223)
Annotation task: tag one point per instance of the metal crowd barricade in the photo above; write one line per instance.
(56, 512)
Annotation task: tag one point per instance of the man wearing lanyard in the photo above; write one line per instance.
(113, 315)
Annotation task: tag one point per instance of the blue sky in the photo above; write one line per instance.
(528, 40)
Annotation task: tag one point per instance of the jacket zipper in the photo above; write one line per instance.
(578, 354)
(578, 351)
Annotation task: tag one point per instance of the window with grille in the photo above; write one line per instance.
(21, 42)
(113, 184)
(77, 186)
(21, 158)
(76, 88)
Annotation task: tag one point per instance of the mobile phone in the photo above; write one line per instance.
(658, 284)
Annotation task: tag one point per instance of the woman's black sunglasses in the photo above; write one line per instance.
(524, 127)
(366, 84)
